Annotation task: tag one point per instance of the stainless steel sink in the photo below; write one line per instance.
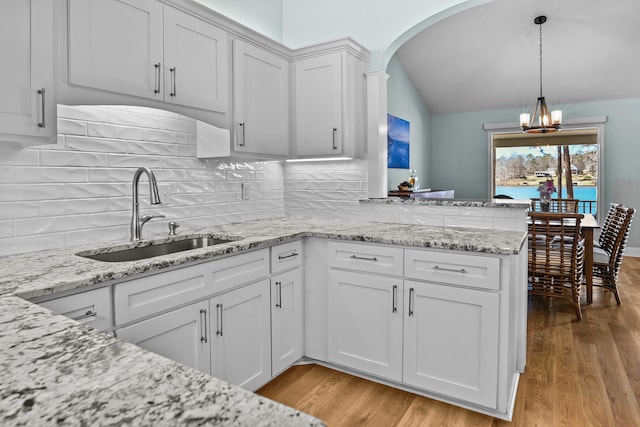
(154, 250)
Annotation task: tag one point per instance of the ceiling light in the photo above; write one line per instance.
(542, 121)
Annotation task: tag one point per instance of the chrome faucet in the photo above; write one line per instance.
(137, 221)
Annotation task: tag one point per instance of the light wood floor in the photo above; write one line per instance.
(578, 374)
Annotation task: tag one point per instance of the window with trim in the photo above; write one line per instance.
(569, 158)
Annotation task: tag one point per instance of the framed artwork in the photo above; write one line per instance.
(397, 142)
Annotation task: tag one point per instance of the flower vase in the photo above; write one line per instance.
(545, 202)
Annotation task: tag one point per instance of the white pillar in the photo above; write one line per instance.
(377, 133)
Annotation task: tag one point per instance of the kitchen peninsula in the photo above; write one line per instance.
(55, 369)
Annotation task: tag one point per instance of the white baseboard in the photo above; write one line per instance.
(631, 251)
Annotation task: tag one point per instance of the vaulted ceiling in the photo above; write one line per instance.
(487, 57)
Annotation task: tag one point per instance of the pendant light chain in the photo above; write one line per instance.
(540, 26)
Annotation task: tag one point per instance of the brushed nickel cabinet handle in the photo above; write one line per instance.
(394, 300)
(364, 258)
(279, 294)
(242, 141)
(219, 319)
(157, 67)
(43, 123)
(292, 254)
(87, 315)
(203, 317)
(335, 147)
(172, 70)
(411, 291)
(454, 270)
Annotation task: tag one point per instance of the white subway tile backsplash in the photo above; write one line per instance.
(241, 175)
(32, 174)
(6, 174)
(115, 131)
(133, 161)
(150, 148)
(38, 242)
(86, 143)
(72, 207)
(65, 158)
(23, 192)
(186, 150)
(18, 210)
(14, 156)
(156, 135)
(45, 225)
(72, 127)
(82, 112)
(179, 125)
(6, 229)
(132, 118)
(93, 235)
(97, 190)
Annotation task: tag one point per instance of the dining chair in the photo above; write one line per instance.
(605, 239)
(608, 257)
(556, 256)
(557, 205)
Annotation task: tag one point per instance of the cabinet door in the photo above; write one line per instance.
(179, 335)
(241, 336)
(26, 28)
(116, 45)
(286, 320)
(195, 62)
(365, 323)
(261, 100)
(319, 105)
(451, 341)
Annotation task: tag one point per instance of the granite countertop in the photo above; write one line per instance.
(58, 371)
(493, 203)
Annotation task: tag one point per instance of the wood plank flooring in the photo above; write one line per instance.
(578, 374)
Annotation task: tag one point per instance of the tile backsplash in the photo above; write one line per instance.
(78, 190)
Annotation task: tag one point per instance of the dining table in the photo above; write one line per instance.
(588, 224)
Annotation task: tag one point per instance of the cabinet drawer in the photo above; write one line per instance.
(454, 268)
(286, 256)
(148, 295)
(92, 308)
(369, 258)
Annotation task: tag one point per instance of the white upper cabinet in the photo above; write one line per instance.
(319, 106)
(261, 100)
(145, 49)
(329, 97)
(116, 45)
(195, 59)
(27, 110)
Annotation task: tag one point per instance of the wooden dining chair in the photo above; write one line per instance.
(557, 205)
(608, 257)
(605, 239)
(556, 256)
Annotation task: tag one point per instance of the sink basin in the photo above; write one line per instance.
(153, 250)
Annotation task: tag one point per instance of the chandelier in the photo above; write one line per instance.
(542, 121)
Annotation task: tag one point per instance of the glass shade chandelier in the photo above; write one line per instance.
(542, 120)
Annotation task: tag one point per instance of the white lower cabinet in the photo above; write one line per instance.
(451, 341)
(241, 336)
(365, 323)
(180, 335)
(286, 320)
(93, 308)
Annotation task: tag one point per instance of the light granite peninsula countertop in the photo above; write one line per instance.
(58, 371)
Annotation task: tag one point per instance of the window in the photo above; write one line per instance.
(521, 160)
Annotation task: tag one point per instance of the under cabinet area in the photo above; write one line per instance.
(146, 49)
(27, 107)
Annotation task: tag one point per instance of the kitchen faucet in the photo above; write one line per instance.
(137, 221)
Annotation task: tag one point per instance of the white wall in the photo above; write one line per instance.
(263, 16)
(79, 190)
